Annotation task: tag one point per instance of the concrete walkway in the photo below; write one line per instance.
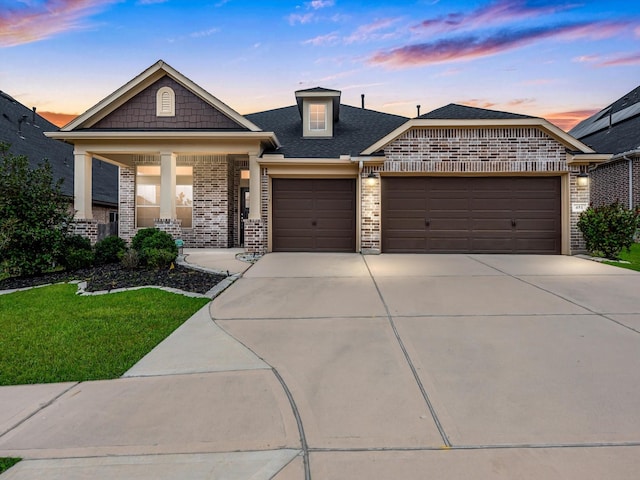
(331, 366)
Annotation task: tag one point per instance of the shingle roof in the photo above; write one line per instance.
(32, 143)
(614, 129)
(454, 111)
(356, 130)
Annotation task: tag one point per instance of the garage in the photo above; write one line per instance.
(313, 215)
(471, 215)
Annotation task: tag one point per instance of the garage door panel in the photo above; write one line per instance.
(474, 214)
(313, 215)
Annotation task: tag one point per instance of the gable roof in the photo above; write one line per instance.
(460, 116)
(356, 129)
(454, 111)
(32, 143)
(144, 80)
(614, 129)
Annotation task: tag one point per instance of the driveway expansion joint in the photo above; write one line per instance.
(412, 367)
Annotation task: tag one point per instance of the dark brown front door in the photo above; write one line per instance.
(471, 215)
(313, 215)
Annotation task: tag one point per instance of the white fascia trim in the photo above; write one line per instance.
(589, 158)
(630, 153)
(161, 135)
(281, 160)
(139, 83)
(554, 131)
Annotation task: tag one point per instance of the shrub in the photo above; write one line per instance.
(109, 250)
(130, 259)
(158, 258)
(34, 215)
(148, 241)
(76, 253)
(609, 229)
(141, 236)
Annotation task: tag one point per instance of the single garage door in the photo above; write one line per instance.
(471, 215)
(313, 215)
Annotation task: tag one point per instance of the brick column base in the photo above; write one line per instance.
(87, 228)
(255, 236)
(172, 226)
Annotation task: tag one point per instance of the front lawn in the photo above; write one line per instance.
(50, 334)
(633, 257)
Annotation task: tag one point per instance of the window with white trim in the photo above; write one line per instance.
(148, 195)
(317, 117)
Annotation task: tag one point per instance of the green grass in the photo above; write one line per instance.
(633, 257)
(50, 334)
(7, 463)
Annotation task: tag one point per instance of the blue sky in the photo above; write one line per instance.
(560, 60)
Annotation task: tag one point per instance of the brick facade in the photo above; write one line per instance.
(214, 202)
(610, 183)
(370, 214)
(191, 112)
(469, 150)
(87, 228)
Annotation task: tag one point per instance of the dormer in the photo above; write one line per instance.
(319, 109)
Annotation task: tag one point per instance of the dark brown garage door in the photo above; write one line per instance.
(314, 215)
(471, 215)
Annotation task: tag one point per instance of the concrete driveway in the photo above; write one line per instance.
(342, 366)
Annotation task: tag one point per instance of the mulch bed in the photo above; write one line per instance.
(109, 277)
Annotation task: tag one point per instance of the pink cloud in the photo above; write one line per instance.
(471, 47)
(300, 18)
(568, 120)
(317, 4)
(499, 11)
(40, 21)
(622, 61)
(477, 102)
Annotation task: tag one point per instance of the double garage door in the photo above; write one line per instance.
(471, 215)
(422, 215)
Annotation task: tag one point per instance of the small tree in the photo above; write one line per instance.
(34, 215)
(609, 229)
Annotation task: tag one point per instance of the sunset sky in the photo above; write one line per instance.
(561, 60)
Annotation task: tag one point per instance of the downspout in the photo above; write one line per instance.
(359, 219)
(630, 160)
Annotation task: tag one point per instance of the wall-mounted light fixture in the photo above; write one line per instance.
(583, 179)
(372, 179)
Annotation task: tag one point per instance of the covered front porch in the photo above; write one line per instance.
(200, 187)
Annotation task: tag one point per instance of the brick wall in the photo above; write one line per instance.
(370, 214)
(509, 149)
(578, 195)
(610, 183)
(211, 204)
(474, 150)
(86, 228)
(191, 111)
(127, 199)
(255, 230)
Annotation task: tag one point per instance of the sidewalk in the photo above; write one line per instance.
(199, 405)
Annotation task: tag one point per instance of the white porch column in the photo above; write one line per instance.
(255, 187)
(82, 185)
(167, 185)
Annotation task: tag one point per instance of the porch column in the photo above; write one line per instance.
(255, 188)
(82, 185)
(167, 185)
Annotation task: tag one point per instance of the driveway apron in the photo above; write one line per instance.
(459, 365)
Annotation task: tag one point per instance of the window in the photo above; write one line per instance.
(317, 117)
(184, 195)
(148, 195)
(165, 102)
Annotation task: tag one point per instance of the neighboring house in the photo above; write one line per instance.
(23, 130)
(615, 129)
(324, 176)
